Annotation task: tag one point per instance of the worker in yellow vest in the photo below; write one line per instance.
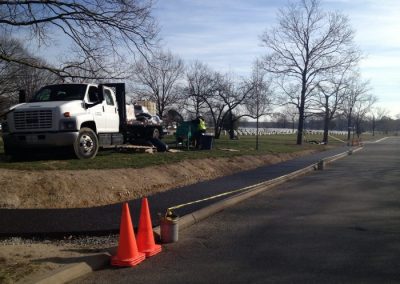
(201, 129)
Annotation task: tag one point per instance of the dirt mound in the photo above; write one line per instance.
(88, 188)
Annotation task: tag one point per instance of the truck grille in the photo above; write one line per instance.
(34, 119)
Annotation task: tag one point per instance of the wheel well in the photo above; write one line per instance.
(90, 124)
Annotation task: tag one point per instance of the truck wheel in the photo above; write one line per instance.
(87, 144)
(8, 150)
(12, 153)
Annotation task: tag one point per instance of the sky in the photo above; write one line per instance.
(225, 34)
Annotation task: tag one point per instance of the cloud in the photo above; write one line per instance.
(225, 35)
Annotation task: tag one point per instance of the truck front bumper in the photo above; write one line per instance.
(40, 139)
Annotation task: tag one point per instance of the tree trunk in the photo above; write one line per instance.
(300, 127)
(326, 130)
(217, 133)
(326, 122)
(231, 127)
(217, 130)
(257, 134)
(349, 126)
(231, 133)
(373, 126)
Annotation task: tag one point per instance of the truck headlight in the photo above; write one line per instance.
(67, 125)
(4, 127)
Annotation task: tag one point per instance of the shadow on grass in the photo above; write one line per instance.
(45, 155)
(31, 155)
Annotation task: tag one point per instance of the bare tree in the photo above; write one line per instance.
(306, 44)
(258, 103)
(360, 111)
(233, 97)
(15, 77)
(216, 106)
(158, 79)
(291, 112)
(32, 79)
(216, 95)
(9, 70)
(378, 116)
(331, 93)
(200, 84)
(387, 124)
(223, 101)
(99, 31)
(356, 103)
(210, 92)
(172, 118)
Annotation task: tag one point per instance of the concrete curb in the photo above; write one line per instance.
(72, 271)
(97, 261)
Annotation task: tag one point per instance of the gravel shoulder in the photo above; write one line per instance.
(22, 259)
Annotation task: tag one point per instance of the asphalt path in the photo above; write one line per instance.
(106, 219)
(339, 225)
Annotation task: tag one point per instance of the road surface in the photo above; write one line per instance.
(339, 225)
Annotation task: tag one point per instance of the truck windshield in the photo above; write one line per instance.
(63, 92)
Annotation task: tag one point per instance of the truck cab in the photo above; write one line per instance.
(75, 115)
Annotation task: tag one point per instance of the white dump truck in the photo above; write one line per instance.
(83, 116)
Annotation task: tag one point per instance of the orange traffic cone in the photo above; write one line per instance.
(145, 236)
(127, 253)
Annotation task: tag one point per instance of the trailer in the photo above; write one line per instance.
(85, 117)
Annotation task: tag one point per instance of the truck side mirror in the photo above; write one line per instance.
(22, 96)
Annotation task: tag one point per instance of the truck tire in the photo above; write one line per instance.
(13, 153)
(87, 144)
(9, 150)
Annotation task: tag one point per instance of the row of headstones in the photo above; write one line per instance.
(266, 131)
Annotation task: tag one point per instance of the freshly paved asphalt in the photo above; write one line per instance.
(340, 225)
(106, 219)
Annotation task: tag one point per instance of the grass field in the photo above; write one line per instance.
(110, 159)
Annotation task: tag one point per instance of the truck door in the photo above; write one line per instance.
(111, 111)
(98, 110)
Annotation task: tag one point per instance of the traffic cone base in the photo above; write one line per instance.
(153, 251)
(145, 237)
(115, 261)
